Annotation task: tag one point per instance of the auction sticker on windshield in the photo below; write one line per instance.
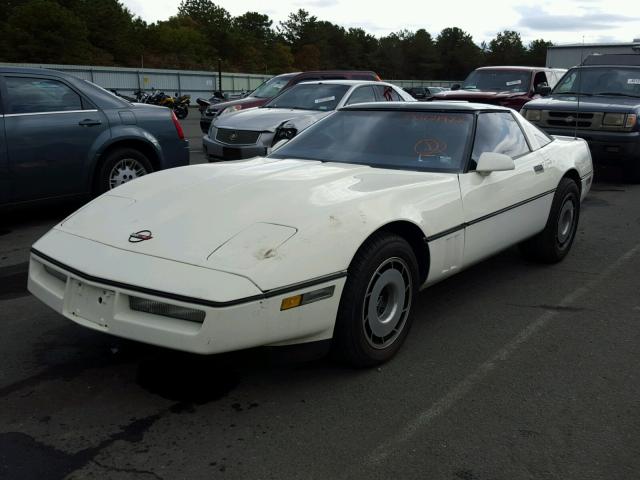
(514, 82)
(633, 81)
(325, 99)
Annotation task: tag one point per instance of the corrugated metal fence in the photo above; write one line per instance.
(190, 82)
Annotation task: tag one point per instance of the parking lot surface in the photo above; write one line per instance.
(512, 370)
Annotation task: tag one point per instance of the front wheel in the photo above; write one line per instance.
(554, 242)
(374, 314)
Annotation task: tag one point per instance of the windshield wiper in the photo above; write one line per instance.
(617, 94)
(573, 93)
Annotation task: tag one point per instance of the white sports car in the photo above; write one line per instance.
(329, 237)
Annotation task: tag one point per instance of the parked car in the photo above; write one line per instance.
(600, 102)
(274, 87)
(506, 86)
(61, 136)
(253, 132)
(423, 93)
(330, 237)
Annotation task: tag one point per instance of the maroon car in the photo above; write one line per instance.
(505, 86)
(274, 86)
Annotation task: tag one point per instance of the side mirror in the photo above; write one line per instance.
(494, 162)
(455, 86)
(543, 89)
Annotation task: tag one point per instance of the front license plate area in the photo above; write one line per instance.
(91, 303)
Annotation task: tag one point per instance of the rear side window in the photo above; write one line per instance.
(498, 132)
(362, 95)
(387, 94)
(39, 95)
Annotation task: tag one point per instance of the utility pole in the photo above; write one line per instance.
(220, 75)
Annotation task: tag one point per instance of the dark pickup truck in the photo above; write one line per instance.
(599, 101)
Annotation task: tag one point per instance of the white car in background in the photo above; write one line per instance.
(254, 131)
(330, 237)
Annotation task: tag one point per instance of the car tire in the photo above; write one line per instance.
(374, 313)
(120, 166)
(554, 242)
(181, 112)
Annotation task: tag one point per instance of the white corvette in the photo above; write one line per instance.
(331, 236)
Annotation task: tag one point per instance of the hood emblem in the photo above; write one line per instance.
(233, 136)
(569, 119)
(140, 236)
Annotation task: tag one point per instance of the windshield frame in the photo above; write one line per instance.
(286, 77)
(465, 156)
(270, 103)
(526, 87)
(604, 69)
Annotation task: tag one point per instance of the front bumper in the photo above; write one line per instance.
(617, 148)
(95, 297)
(219, 151)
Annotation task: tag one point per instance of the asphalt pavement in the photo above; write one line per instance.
(512, 370)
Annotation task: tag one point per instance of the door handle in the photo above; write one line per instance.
(88, 122)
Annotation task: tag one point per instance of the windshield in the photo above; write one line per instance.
(311, 96)
(431, 141)
(618, 81)
(498, 81)
(271, 87)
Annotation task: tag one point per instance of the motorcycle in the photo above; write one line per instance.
(181, 106)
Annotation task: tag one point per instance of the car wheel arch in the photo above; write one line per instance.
(414, 236)
(573, 174)
(141, 145)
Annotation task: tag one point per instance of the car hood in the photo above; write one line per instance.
(247, 102)
(590, 104)
(276, 222)
(269, 119)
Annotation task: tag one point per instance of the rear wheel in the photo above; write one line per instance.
(374, 314)
(554, 242)
(181, 112)
(122, 165)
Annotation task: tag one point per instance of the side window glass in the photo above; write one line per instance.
(498, 132)
(36, 95)
(362, 95)
(387, 94)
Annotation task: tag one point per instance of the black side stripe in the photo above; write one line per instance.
(462, 226)
(183, 298)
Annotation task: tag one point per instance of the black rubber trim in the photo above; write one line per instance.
(462, 226)
(183, 298)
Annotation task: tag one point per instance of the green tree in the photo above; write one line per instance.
(537, 53)
(458, 54)
(506, 49)
(38, 31)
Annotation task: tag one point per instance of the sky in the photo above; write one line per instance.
(559, 21)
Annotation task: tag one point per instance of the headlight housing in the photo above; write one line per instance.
(613, 119)
(284, 132)
(231, 109)
(532, 115)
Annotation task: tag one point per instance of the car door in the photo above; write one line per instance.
(503, 207)
(5, 180)
(50, 129)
